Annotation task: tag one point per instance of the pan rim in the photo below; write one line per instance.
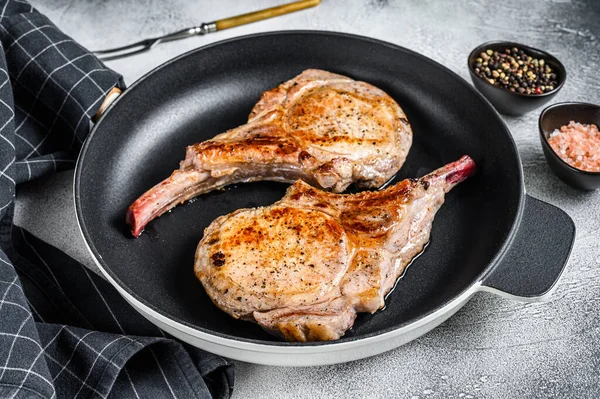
(233, 341)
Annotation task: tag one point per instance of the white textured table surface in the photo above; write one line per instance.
(493, 347)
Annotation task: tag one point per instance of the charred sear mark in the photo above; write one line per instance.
(213, 241)
(404, 121)
(425, 184)
(278, 213)
(311, 193)
(278, 144)
(401, 193)
(303, 156)
(372, 222)
(218, 259)
(296, 196)
(326, 168)
(269, 141)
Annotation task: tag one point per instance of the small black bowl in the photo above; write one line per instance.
(506, 101)
(555, 116)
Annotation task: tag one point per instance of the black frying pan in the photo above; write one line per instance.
(488, 235)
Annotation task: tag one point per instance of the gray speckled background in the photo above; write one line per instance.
(493, 347)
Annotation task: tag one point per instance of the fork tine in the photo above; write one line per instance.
(142, 45)
(110, 55)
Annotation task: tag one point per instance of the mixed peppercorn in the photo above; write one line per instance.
(516, 71)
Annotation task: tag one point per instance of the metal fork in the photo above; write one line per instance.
(204, 28)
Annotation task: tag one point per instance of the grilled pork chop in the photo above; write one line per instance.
(323, 128)
(303, 267)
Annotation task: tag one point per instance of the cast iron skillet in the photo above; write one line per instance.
(488, 235)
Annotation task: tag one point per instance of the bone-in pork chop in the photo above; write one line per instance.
(323, 128)
(303, 267)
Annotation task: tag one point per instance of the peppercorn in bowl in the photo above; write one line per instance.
(571, 142)
(514, 77)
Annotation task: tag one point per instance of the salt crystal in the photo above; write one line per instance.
(578, 145)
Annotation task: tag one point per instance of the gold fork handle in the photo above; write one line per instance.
(264, 14)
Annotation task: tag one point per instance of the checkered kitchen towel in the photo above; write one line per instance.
(65, 332)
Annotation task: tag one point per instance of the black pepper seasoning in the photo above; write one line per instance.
(516, 71)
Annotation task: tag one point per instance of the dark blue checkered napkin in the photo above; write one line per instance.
(65, 332)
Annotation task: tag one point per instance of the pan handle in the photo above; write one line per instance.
(533, 264)
(108, 100)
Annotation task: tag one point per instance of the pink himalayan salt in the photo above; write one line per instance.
(578, 145)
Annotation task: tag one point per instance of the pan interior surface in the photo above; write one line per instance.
(143, 137)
